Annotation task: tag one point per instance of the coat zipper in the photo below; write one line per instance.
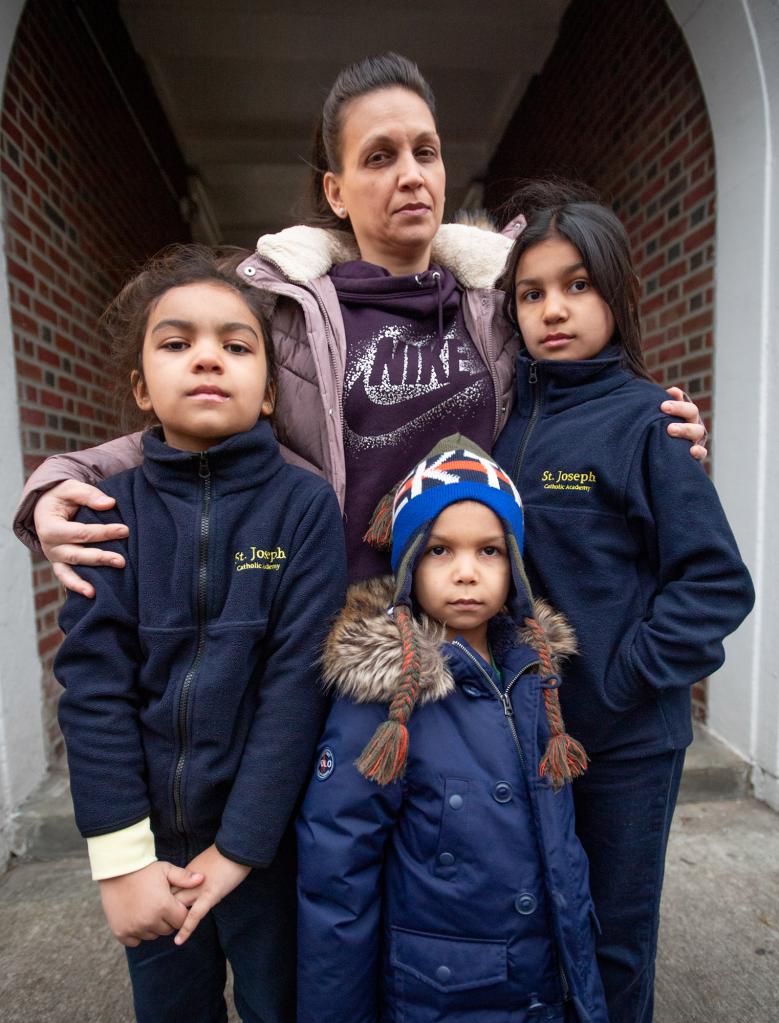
(495, 383)
(533, 379)
(204, 473)
(504, 697)
(508, 710)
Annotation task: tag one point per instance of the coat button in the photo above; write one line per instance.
(249, 271)
(456, 801)
(446, 859)
(442, 974)
(502, 792)
(525, 904)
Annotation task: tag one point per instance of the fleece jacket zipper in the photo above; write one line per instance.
(204, 474)
(533, 379)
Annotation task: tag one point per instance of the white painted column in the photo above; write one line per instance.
(735, 46)
(22, 760)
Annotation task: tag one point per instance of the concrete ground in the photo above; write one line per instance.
(719, 938)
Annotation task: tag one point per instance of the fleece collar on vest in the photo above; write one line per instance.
(565, 384)
(243, 460)
(475, 256)
(363, 655)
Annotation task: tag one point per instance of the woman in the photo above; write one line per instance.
(388, 332)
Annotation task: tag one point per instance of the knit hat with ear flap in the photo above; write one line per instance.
(455, 470)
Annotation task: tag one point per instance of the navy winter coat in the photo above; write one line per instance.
(625, 533)
(459, 893)
(191, 683)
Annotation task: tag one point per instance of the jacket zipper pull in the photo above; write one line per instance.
(203, 470)
(508, 710)
(533, 377)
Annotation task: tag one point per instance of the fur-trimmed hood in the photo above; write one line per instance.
(474, 255)
(363, 653)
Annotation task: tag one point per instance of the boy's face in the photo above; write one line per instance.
(463, 577)
(204, 367)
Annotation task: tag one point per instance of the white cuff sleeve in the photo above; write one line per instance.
(121, 852)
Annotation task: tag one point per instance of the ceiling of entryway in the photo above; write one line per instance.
(242, 82)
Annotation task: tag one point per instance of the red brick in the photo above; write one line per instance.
(703, 276)
(29, 370)
(21, 273)
(700, 362)
(701, 191)
(678, 227)
(51, 399)
(48, 644)
(700, 322)
(673, 273)
(45, 312)
(676, 150)
(32, 416)
(698, 237)
(45, 597)
(47, 356)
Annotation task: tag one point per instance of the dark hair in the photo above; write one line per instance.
(125, 319)
(387, 71)
(575, 212)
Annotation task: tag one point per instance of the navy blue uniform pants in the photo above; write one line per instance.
(253, 929)
(623, 817)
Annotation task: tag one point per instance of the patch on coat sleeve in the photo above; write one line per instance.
(325, 765)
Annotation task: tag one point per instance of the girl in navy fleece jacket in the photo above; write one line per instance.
(192, 702)
(627, 537)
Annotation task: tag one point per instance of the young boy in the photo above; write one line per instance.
(439, 874)
(192, 702)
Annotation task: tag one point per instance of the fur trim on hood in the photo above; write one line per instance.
(363, 653)
(475, 256)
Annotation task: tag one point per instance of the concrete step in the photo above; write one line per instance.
(44, 826)
(45, 829)
(712, 771)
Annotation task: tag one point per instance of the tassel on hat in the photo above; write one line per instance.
(379, 532)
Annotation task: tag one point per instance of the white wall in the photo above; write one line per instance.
(22, 761)
(735, 46)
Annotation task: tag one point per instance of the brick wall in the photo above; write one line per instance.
(618, 104)
(84, 201)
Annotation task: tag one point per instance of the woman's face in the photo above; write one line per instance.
(392, 179)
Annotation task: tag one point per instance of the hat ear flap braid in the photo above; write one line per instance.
(564, 758)
(384, 758)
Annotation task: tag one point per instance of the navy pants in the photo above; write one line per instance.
(623, 817)
(253, 929)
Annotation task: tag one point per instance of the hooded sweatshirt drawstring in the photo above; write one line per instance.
(437, 279)
(436, 275)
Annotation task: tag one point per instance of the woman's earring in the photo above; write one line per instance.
(341, 211)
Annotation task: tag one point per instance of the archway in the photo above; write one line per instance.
(734, 46)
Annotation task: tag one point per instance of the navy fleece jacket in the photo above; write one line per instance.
(626, 535)
(191, 681)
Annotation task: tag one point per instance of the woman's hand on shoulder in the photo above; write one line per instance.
(62, 539)
(693, 428)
